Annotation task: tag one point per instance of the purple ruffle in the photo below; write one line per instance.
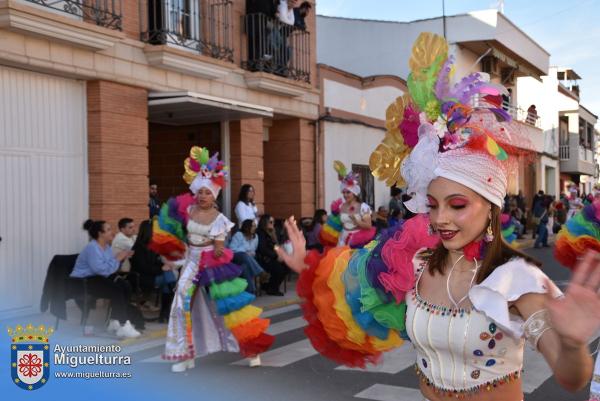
(375, 264)
(217, 274)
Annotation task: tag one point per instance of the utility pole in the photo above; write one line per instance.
(444, 16)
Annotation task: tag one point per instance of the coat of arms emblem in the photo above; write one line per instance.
(30, 356)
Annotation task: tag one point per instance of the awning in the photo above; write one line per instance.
(185, 108)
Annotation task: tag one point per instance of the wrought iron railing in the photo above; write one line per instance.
(564, 152)
(275, 47)
(201, 25)
(105, 13)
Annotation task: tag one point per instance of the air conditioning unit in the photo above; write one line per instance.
(490, 65)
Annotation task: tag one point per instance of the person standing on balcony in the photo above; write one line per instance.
(300, 13)
(532, 115)
(260, 15)
(281, 37)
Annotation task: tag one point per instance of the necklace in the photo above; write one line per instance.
(470, 285)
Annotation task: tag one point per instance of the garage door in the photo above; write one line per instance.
(43, 181)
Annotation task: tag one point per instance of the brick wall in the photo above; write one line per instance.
(168, 148)
(117, 151)
(131, 17)
(290, 169)
(246, 144)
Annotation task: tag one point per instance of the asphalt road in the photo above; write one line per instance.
(292, 370)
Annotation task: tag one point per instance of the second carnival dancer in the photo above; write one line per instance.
(446, 279)
(191, 231)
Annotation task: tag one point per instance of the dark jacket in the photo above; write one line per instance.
(265, 253)
(146, 264)
(299, 20)
(266, 7)
(56, 289)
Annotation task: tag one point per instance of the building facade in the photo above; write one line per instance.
(484, 41)
(100, 98)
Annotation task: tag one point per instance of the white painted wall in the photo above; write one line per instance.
(43, 181)
(351, 144)
(371, 102)
(366, 47)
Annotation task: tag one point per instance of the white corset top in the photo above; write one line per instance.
(347, 222)
(466, 350)
(201, 233)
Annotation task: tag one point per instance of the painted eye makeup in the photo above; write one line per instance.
(458, 203)
(431, 203)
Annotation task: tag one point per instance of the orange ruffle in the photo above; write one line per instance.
(250, 330)
(324, 300)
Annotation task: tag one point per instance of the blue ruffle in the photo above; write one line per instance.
(231, 304)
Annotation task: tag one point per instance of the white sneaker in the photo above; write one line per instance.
(113, 326)
(255, 362)
(128, 331)
(180, 367)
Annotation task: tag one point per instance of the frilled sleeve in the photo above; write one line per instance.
(169, 227)
(220, 227)
(506, 284)
(354, 313)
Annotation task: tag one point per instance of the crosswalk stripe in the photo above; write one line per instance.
(279, 311)
(285, 355)
(286, 325)
(394, 361)
(536, 370)
(385, 392)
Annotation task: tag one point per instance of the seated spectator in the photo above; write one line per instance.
(381, 219)
(396, 201)
(314, 228)
(244, 244)
(124, 241)
(407, 213)
(98, 264)
(267, 257)
(394, 218)
(152, 271)
(300, 13)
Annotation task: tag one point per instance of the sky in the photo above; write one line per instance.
(568, 30)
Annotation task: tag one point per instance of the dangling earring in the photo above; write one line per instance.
(489, 234)
(430, 229)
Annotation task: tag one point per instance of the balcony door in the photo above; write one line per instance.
(180, 20)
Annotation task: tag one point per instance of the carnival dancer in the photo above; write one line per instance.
(355, 215)
(446, 279)
(222, 318)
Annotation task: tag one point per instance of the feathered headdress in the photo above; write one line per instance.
(437, 120)
(202, 171)
(348, 180)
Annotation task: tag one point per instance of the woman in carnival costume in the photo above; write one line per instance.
(350, 220)
(445, 279)
(222, 318)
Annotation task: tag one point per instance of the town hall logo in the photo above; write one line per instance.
(30, 356)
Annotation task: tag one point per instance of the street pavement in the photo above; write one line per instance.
(292, 369)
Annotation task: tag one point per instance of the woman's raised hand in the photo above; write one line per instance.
(576, 317)
(294, 260)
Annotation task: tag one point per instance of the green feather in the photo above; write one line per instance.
(204, 157)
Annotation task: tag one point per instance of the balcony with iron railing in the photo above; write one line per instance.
(104, 13)
(202, 26)
(276, 48)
